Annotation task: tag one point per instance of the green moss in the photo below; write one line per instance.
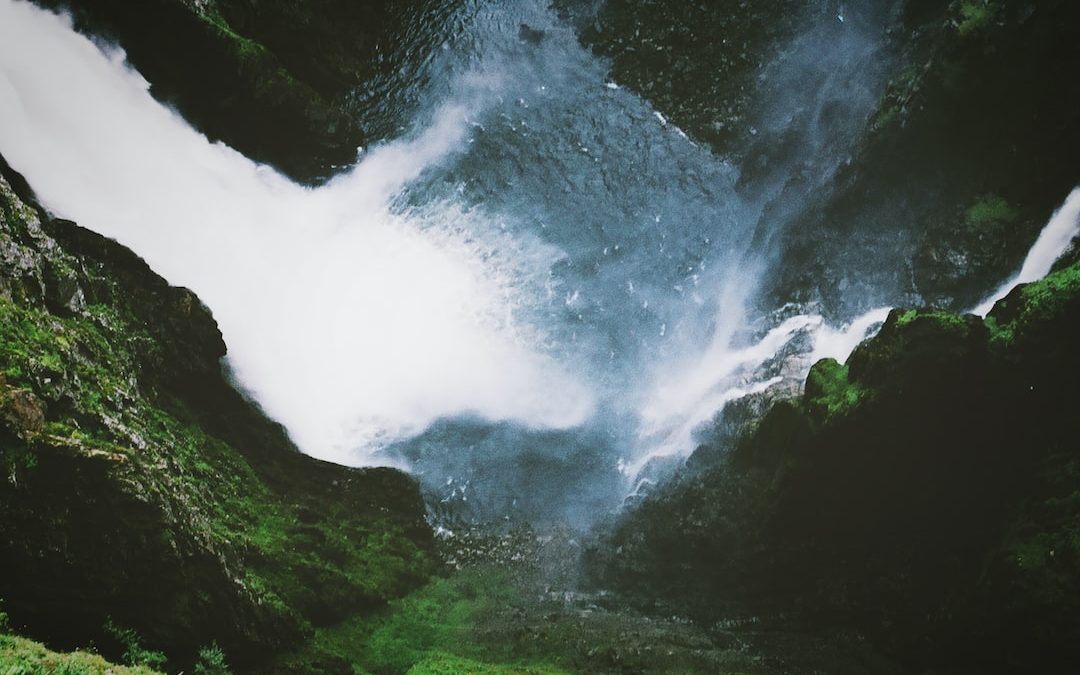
(246, 48)
(990, 216)
(943, 321)
(435, 629)
(92, 373)
(19, 656)
(829, 393)
(893, 104)
(1034, 304)
(448, 664)
(975, 16)
(268, 77)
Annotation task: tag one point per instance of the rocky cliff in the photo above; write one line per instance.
(270, 79)
(141, 490)
(925, 493)
(962, 157)
(923, 496)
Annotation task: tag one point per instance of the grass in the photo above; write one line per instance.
(448, 664)
(435, 629)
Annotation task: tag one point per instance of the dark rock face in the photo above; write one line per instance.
(268, 78)
(139, 486)
(970, 118)
(696, 62)
(923, 493)
(963, 162)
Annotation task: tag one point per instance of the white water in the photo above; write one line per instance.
(839, 343)
(356, 324)
(350, 324)
(690, 397)
(1053, 241)
(683, 404)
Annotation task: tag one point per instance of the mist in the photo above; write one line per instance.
(538, 287)
(349, 323)
(1055, 238)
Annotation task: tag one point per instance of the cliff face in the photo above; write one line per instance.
(925, 493)
(140, 488)
(964, 159)
(952, 171)
(271, 79)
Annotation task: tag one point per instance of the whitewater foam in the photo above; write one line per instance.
(1055, 238)
(352, 323)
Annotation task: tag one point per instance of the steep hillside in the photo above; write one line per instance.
(925, 493)
(141, 490)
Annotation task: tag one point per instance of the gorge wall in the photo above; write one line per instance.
(140, 488)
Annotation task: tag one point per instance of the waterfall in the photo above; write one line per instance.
(350, 323)
(538, 265)
(1053, 241)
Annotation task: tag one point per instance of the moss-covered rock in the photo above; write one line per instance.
(140, 488)
(925, 494)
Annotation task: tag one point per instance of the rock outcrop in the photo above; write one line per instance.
(964, 160)
(271, 79)
(925, 494)
(139, 488)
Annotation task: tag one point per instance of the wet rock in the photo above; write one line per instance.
(139, 486)
(921, 491)
(244, 72)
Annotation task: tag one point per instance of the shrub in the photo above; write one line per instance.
(134, 652)
(211, 661)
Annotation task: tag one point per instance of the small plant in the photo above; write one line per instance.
(976, 15)
(991, 217)
(991, 209)
(211, 661)
(134, 652)
(5, 624)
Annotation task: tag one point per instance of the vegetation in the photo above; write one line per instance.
(976, 16)
(211, 661)
(1033, 304)
(932, 478)
(990, 211)
(828, 391)
(19, 656)
(120, 437)
(447, 664)
(135, 654)
(436, 627)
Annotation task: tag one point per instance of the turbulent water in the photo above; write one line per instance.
(537, 288)
(1055, 238)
